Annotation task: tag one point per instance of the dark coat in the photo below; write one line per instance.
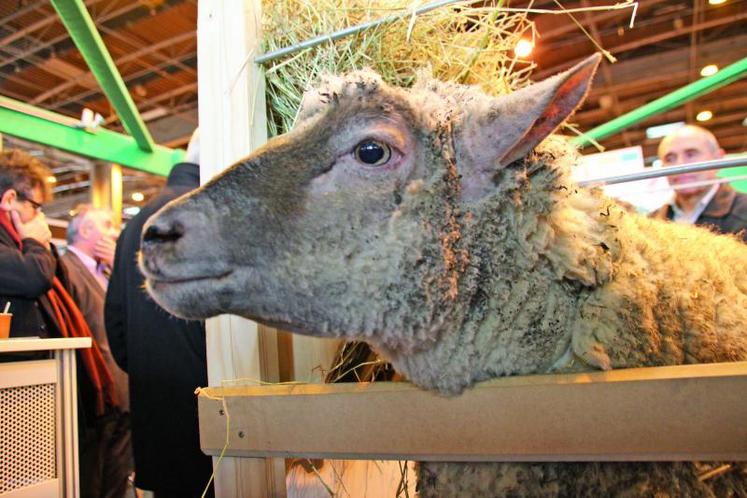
(726, 213)
(89, 296)
(25, 277)
(165, 360)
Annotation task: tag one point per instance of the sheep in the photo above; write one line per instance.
(441, 226)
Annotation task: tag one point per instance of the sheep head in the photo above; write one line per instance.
(356, 223)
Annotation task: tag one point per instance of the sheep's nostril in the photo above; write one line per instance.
(155, 234)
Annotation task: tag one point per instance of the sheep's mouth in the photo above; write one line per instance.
(163, 280)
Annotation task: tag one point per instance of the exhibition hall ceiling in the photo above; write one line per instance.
(154, 46)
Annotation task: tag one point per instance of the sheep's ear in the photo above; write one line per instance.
(514, 124)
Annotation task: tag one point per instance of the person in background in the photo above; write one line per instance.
(27, 263)
(164, 358)
(718, 206)
(105, 451)
(37, 286)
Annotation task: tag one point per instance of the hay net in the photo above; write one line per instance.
(458, 43)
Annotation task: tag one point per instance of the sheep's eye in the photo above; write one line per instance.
(373, 153)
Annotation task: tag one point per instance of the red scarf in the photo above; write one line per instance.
(72, 324)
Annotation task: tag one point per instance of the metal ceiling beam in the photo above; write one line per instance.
(23, 11)
(27, 30)
(728, 98)
(138, 43)
(144, 104)
(77, 98)
(38, 125)
(597, 17)
(52, 41)
(133, 56)
(689, 92)
(83, 31)
(649, 40)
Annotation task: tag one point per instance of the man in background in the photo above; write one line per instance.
(164, 358)
(27, 263)
(697, 199)
(37, 285)
(105, 450)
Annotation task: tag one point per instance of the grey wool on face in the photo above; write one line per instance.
(440, 225)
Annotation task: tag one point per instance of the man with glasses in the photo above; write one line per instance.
(27, 265)
(35, 282)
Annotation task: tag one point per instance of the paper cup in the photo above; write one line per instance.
(5, 325)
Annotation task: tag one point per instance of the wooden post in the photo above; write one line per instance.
(116, 193)
(232, 124)
(101, 182)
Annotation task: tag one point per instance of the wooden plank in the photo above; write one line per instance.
(232, 124)
(20, 344)
(693, 412)
(44, 489)
(27, 373)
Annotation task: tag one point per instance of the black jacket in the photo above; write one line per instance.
(165, 360)
(25, 277)
(89, 295)
(726, 213)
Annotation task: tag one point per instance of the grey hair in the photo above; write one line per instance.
(79, 214)
(709, 136)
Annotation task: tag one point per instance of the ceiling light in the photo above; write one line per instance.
(131, 210)
(704, 115)
(155, 113)
(709, 70)
(523, 48)
(137, 196)
(716, 2)
(51, 179)
(606, 101)
(663, 130)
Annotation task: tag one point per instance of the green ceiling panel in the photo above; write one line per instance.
(38, 125)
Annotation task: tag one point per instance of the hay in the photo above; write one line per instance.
(458, 43)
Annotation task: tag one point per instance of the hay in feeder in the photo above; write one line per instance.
(457, 42)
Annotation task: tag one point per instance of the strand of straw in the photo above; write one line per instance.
(7, 308)
(331, 37)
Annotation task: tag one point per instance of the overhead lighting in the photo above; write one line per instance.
(709, 70)
(131, 210)
(51, 179)
(660, 131)
(716, 2)
(137, 196)
(704, 116)
(155, 113)
(523, 48)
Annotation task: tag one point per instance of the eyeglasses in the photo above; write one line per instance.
(24, 197)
